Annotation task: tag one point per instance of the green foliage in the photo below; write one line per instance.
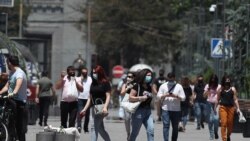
(13, 17)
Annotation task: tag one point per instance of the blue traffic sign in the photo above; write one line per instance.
(216, 48)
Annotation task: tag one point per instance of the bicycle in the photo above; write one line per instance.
(6, 115)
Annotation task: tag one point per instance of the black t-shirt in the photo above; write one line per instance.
(188, 94)
(142, 91)
(159, 81)
(199, 90)
(98, 92)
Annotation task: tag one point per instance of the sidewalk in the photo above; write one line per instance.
(117, 131)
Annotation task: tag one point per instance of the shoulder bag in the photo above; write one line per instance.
(130, 107)
(98, 108)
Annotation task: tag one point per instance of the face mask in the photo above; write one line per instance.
(72, 74)
(84, 75)
(95, 76)
(227, 84)
(148, 79)
(200, 81)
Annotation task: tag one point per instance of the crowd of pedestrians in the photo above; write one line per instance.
(175, 100)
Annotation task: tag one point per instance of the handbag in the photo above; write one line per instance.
(98, 108)
(130, 107)
(72, 90)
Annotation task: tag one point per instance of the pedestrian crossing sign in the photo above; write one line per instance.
(216, 48)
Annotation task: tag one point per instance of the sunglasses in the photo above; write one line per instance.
(130, 76)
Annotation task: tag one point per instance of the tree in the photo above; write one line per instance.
(13, 17)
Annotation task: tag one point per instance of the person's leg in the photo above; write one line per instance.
(64, 107)
(20, 125)
(210, 117)
(230, 121)
(224, 121)
(72, 113)
(166, 124)
(41, 110)
(136, 124)
(121, 110)
(198, 114)
(185, 117)
(46, 109)
(101, 129)
(149, 124)
(79, 108)
(127, 122)
(86, 117)
(94, 127)
(174, 121)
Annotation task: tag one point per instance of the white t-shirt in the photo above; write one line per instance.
(86, 88)
(212, 97)
(170, 103)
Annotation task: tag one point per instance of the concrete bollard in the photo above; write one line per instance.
(64, 137)
(45, 136)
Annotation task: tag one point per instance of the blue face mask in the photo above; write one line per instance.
(148, 79)
(95, 76)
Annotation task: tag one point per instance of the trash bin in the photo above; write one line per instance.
(45, 136)
(246, 125)
(64, 137)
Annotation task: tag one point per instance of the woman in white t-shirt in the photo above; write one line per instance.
(210, 91)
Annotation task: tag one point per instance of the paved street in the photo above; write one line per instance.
(117, 131)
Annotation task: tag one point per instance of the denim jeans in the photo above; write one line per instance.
(121, 110)
(81, 104)
(174, 117)
(127, 122)
(98, 127)
(184, 115)
(213, 120)
(201, 112)
(142, 116)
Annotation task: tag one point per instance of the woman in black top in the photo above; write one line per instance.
(187, 104)
(99, 93)
(227, 99)
(142, 92)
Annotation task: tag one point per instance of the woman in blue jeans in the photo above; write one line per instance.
(142, 92)
(99, 91)
(211, 90)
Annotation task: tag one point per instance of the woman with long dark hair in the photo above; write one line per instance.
(126, 88)
(227, 100)
(211, 90)
(142, 92)
(99, 91)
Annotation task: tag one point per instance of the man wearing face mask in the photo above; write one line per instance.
(171, 93)
(71, 86)
(157, 83)
(200, 102)
(83, 98)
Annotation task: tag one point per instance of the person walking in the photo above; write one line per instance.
(119, 88)
(211, 90)
(200, 102)
(82, 100)
(142, 92)
(17, 91)
(228, 101)
(44, 88)
(126, 88)
(157, 83)
(100, 90)
(187, 104)
(171, 93)
(71, 86)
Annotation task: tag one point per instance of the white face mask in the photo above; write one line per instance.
(95, 76)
